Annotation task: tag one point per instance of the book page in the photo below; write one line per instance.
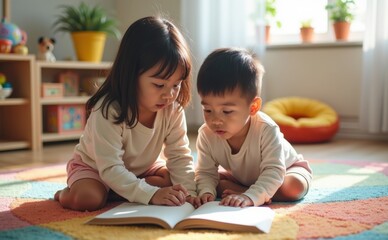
(213, 215)
(134, 213)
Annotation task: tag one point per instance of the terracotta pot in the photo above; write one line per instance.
(341, 30)
(307, 34)
(267, 33)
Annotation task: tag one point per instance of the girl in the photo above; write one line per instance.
(137, 113)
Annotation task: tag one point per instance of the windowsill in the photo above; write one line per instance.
(299, 45)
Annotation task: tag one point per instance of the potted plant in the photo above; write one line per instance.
(341, 13)
(269, 17)
(88, 27)
(306, 31)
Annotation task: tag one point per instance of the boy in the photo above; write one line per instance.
(258, 164)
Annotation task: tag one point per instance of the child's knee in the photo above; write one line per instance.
(294, 187)
(82, 199)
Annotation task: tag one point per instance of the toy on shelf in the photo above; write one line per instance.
(21, 48)
(70, 81)
(52, 90)
(65, 118)
(45, 49)
(5, 87)
(11, 34)
(5, 45)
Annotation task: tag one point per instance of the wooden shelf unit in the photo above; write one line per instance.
(18, 112)
(48, 72)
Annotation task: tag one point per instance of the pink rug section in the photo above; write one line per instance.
(7, 219)
(381, 167)
(7, 176)
(372, 211)
(55, 173)
(37, 211)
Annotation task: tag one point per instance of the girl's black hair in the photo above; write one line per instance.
(228, 68)
(147, 42)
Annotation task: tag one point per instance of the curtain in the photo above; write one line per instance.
(211, 24)
(374, 93)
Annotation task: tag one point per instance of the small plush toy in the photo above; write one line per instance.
(46, 47)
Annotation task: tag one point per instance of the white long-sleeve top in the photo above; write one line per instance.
(260, 164)
(120, 153)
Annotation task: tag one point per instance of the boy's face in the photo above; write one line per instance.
(228, 115)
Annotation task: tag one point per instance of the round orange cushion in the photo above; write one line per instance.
(303, 120)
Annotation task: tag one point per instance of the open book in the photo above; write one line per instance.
(209, 216)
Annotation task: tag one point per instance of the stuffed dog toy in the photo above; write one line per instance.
(46, 47)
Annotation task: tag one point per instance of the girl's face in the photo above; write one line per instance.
(228, 115)
(156, 93)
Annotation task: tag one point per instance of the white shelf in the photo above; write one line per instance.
(54, 137)
(13, 101)
(64, 100)
(13, 145)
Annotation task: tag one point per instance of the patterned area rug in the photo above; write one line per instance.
(348, 200)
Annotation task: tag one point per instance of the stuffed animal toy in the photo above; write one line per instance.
(46, 47)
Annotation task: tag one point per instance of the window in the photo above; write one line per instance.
(292, 12)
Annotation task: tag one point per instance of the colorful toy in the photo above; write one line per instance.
(3, 79)
(5, 46)
(20, 49)
(11, 32)
(45, 49)
(70, 81)
(5, 87)
(52, 90)
(65, 118)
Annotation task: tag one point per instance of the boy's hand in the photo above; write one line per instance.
(236, 200)
(170, 196)
(206, 197)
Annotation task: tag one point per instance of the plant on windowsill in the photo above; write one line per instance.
(269, 17)
(341, 13)
(88, 27)
(306, 31)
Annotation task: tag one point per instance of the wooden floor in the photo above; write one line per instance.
(337, 149)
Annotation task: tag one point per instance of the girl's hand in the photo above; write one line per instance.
(236, 200)
(170, 196)
(195, 201)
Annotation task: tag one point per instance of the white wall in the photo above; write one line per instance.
(330, 73)
(132, 10)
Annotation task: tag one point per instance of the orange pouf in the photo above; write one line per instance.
(303, 120)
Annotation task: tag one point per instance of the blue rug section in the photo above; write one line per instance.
(324, 195)
(326, 168)
(27, 189)
(42, 190)
(13, 188)
(367, 235)
(33, 233)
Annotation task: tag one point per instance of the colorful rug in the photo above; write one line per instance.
(348, 200)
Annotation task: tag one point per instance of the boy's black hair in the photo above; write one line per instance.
(147, 42)
(225, 69)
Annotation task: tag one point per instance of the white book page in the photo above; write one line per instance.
(170, 214)
(261, 217)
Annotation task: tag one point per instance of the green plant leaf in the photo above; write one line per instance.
(85, 18)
